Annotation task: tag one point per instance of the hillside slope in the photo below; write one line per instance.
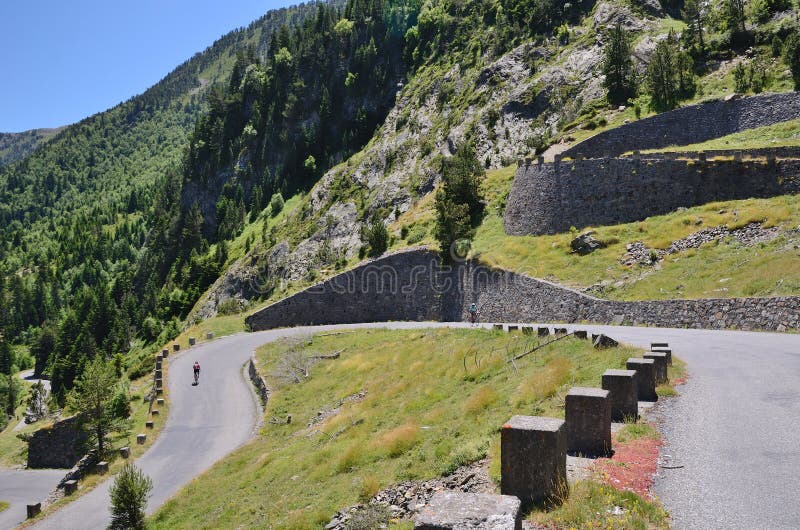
(16, 146)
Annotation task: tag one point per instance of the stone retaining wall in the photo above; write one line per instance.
(58, 446)
(550, 198)
(258, 382)
(414, 278)
(691, 124)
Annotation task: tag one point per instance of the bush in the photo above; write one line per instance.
(276, 204)
(377, 237)
(129, 494)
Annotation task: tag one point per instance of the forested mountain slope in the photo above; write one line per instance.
(16, 146)
(73, 214)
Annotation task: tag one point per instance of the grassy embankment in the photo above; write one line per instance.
(786, 134)
(435, 400)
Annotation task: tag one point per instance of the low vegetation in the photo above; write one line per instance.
(430, 401)
(786, 134)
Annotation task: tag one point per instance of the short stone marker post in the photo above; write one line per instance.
(645, 377)
(159, 374)
(623, 394)
(603, 341)
(658, 345)
(580, 334)
(102, 467)
(512, 328)
(543, 332)
(533, 454)
(458, 510)
(160, 401)
(149, 424)
(192, 341)
(587, 413)
(140, 438)
(164, 352)
(176, 347)
(159, 383)
(160, 391)
(660, 359)
(70, 487)
(527, 330)
(34, 510)
(154, 412)
(664, 350)
(209, 335)
(498, 327)
(125, 452)
(560, 331)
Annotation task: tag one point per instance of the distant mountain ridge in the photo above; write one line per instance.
(16, 146)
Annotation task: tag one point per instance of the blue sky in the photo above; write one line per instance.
(63, 60)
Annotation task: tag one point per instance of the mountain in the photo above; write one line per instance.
(284, 151)
(16, 146)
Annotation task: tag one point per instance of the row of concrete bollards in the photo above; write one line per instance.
(533, 449)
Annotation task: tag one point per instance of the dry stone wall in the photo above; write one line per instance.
(58, 446)
(412, 286)
(691, 124)
(552, 197)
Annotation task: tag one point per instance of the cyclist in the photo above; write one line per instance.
(196, 369)
(473, 313)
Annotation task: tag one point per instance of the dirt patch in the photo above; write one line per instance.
(633, 466)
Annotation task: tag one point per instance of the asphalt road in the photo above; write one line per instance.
(734, 429)
(21, 487)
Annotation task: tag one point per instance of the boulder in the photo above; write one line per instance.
(586, 243)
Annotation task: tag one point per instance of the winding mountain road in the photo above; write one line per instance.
(733, 431)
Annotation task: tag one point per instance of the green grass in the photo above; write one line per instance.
(778, 135)
(637, 431)
(14, 451)
(435, 401)
(3, 506)
(591, 505)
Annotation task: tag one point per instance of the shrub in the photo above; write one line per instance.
(129, 494)
(400, 439)
(276, 204)
(377, 237)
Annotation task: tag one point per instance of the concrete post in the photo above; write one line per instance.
(533, 454)
(667, 351)
(623, 394)
(498, 327)
(155, 412)
(587, 412)
(34, 510)
(164, 352)
(159, 391)
(159, 373)
(176, 347)
(102, 467)
(160, 401)
(645, 377)
(560, 331)
(455, 509)
(527, 330)
(140, 438)
(580, 334)
(660, 359)
(149, 424)
(512, 328)
(657, 345)
(125, 452)
(192, 341)
(543, 332)
(209, 335)
(70, 487)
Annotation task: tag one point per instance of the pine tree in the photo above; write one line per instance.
(791, 54)
(91, 396)
(129, 494)
(695, 16)
(620, 79)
